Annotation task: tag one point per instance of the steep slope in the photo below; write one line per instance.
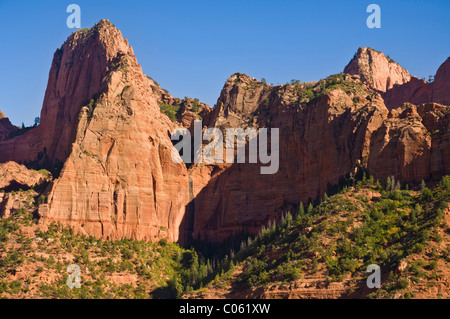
(323, 252)
(325, 130)
(419, 91)
(6, 128)
(378, 71)
(76, 75)
(412, 144)
(109, 126)
(441, 84)
(119, 179)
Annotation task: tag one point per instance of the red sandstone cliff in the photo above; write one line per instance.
(325, 131)
(119, 179)
(76, 76)
(101, 118)
(376, 69)
(6, 128)
(403, 88)
(320, 142)
(412, 144)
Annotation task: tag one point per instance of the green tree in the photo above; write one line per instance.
(388, 184)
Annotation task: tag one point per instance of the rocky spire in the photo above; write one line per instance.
(75, 78)
(119, 179)
(380, 72)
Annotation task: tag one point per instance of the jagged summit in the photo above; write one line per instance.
(418, 91)
(104, 32)
(379, 71)
(76, 76)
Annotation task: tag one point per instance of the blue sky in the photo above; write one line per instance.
(192, 47)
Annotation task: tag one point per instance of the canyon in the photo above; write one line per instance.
(107, 141)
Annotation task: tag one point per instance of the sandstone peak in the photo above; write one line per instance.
(380, 72)
(118, 178)
(418, 91)
(2, 115)
(105, 33)
(441, 84)
(240, 97)
(76, 77)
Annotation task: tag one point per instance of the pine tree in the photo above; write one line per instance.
(388, 184)
(301, 209)
(288, 219)
(378, 185)
(413, 217)
(310, 209)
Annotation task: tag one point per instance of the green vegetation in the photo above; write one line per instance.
(312, 92)
(390, 60)
(91, 107)
(349, 231)
(153, 270)
(367, 222)
(170, 110)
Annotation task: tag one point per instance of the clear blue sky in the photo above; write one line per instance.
(192, 47)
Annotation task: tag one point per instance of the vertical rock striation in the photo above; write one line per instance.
(118, 179)
(377, 70)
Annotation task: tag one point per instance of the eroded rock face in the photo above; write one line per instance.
(322, 139)
(441, 84)
(6, 128)
(76, 75)
(102, 119)
(412, 143)
(419, 91)
(320, 142)
(119, 179)
(416, 91)
(14, 176)
(379, 71)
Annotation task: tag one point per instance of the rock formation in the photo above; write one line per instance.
(6, 128)
(334, 127)
(76, 76)
(377, 70)
(395, 84)
(14, 176)
(412, 144)
(109, 125)
(419, 91)
(327, 130)
(119, 179)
